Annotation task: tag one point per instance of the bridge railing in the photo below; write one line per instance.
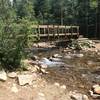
(55, 30)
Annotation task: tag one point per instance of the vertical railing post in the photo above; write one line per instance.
(48, 31)
(38, 32)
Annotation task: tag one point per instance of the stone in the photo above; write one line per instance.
(85, 97)
(56, 84)
(26, 79)
(42, 44)
(96, 89)
(90, 63)
(95, 96)
(12, 75)
(55, 59)
(79, 55)
(78, 96)
(67, 57)
(57, 56)
(36, 66)
(3, 75)
(14, 88)
(34, 58)
(43, 71)
(32, 68)
(63, 87)
(43, 66)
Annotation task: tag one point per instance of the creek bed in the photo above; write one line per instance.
(78, 73)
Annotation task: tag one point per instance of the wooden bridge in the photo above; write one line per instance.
(54, 32)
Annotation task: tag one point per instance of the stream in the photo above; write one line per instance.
(78, 70)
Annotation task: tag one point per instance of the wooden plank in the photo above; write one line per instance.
(51, 26)
(56, 31)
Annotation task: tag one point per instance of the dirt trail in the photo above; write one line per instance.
(40, 90)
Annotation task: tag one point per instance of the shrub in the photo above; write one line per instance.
(14, 38)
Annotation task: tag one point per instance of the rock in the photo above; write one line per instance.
(14, 88)
(26, 79)
(78, 96)
(63, 87)
(42, 44)
(3, 75)
(67, 57)
(90, 63)
(35, 45)
(43, 66)
(55, 59)
(79, 55)
(56, 84)
(85, 97)
(34, 58)
(12, 75)
(95, 96)
(96, 89)
(37, 67)
(32, 68)
(57, 56)
(43, 71)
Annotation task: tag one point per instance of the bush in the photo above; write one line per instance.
(14, 38)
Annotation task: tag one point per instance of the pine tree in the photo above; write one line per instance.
(6, 11)
(42, 10)
(24, 8)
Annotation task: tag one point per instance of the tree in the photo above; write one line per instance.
(6, 11)
(42, 10)
(24, 9)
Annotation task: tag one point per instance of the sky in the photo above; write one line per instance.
(11, 0)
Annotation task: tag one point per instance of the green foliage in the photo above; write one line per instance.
(24, 9)
(42, 8)
(17, 18)
(14, 39)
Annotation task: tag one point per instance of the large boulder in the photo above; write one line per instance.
(26, 79)
(3, 75)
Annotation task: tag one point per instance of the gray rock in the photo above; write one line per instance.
(67, 57)
(12, 75)
(90, 62)
(57, 56)
(3, 75)
(95, 96)
(55, 59)
(26, 79)
(78, 96)
(43, 66)
(34, 58)
(78, 55)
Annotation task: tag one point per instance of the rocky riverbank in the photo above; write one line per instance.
(61, 74)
